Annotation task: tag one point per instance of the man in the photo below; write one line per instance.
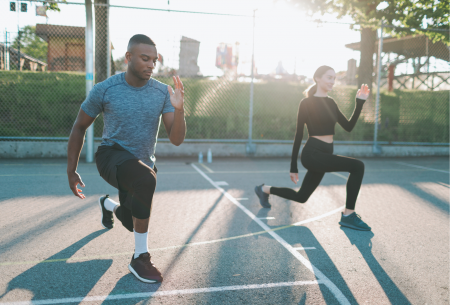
(132, 104)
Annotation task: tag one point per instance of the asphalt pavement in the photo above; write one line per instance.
(215, 244)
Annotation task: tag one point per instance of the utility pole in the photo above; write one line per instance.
(376, 147)
(89, 44)
(251, 148)
(18, 51)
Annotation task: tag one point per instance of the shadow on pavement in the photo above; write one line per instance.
(362, 241)
(43, 227)
(55, 280)
(320, 259)
(129, 284)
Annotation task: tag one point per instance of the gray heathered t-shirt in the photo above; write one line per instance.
(131, 115)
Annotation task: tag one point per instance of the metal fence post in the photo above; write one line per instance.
(108, 41)
(89, 44)
(376, 148)
(7, 57)
(251, 148)
(18, 49)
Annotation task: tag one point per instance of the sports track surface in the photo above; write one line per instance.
(216, 245)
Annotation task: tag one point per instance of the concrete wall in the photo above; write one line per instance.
(11, 149)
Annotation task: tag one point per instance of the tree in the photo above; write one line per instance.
(52, 6)
(120, 64)
(400, 16)
(31, 44)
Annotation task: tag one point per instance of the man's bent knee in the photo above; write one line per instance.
(143, 190)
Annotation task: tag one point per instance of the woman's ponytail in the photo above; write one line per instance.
(310, 91)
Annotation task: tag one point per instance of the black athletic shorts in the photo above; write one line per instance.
(107, 159)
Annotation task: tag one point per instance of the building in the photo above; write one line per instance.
(412, 62)
(66, 50)
(189, 49)
(9, 58)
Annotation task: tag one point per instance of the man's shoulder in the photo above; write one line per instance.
(156, 84)
(108, 83)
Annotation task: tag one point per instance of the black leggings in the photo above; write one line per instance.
(317, 157)
(137, 183)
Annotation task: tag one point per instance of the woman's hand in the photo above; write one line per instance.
(294, 177)
(363, 93)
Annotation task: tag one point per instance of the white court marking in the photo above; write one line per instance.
(339, 175)
(160, 293)
(304, 248)
(207, 168)
(173, 247)
(221, 183)
(322, 277)
(266, 217)
(423, 167)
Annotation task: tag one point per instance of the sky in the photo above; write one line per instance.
(282, 33)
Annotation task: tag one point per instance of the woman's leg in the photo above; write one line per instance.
(334, 163)
(310, 183)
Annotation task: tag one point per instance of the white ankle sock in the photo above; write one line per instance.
(140, 243)
(110, 204)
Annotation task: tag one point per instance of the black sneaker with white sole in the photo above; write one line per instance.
(107, 216)
(354, 221)
(263, 197)
(143, 268)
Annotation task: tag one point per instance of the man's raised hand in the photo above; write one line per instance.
(177, 97)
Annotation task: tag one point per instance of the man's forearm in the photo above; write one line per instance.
(178, 130)
(74, 147)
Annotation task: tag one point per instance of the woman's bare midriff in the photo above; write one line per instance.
(327, 139)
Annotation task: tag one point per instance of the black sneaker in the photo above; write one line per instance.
(142, 267)
(263, 197)
(107, 216)
(354, 221)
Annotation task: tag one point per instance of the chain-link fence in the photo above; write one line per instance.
(415, 76)
(213, 56)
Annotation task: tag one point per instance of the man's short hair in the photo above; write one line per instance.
(140, 38)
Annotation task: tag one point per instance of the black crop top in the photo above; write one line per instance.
(320, 115)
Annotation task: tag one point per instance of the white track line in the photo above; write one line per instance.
(173, 247)
(207, 168)
(339, 175)
(221, 183)
(161, 293)
(318, 217)
(304, 248)
(423, 167)
(322, 278)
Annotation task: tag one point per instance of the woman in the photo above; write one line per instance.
(320, 114)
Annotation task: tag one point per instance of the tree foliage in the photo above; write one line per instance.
(51, 6)
(402, 16)
(31, 44)
(425, 17)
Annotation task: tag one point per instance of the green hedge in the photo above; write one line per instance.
(46, 104)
